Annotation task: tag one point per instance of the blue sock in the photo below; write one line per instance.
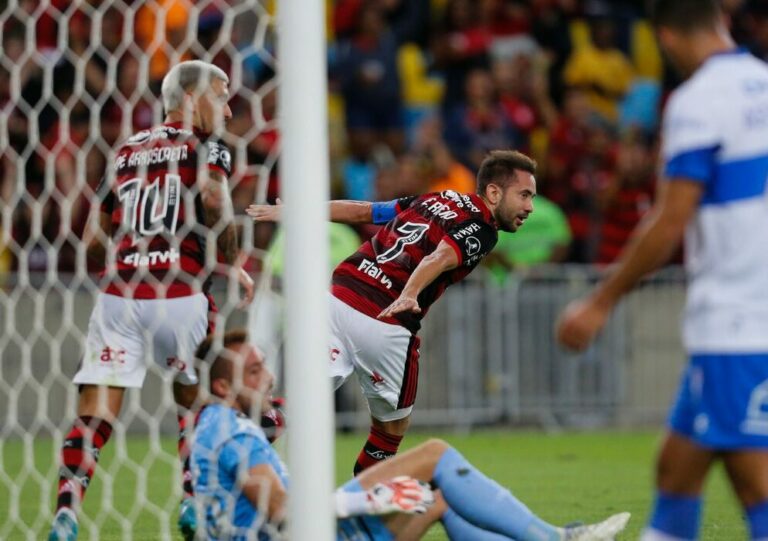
(757, 515)
(459, 529)
(677, 516)
(485, 504)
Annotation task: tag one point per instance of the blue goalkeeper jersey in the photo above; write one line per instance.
(226, 445)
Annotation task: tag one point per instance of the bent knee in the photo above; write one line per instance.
(435, 447)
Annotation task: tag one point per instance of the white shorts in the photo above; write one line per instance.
(385, 358)
(125, 335)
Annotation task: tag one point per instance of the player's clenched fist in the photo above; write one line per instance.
(580, 322)
(400, 495)
(265, 213)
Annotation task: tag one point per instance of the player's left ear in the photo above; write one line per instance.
(220, 387)
(494, 193)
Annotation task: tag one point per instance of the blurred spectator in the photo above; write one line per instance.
(422, 92)
(601, 68)
(160, 44)
(129, 109)
(366, 68)
(366, 71)
(81, 61)
(408, 19)
(522, 85)
(582, 159)
(595, 171)
(460, 46)
(756, 24)
(505, 18)
(400, 179)
(13, 51)
(480, 124)
(544, 238)
(568, 140)
(627, 198)
(640, 108)
(441, 169)
(552, 31)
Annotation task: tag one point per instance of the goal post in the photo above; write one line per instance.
(305, 178)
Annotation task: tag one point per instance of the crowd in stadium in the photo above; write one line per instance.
(420, 91)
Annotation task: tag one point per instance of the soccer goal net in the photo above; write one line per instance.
(76, 78)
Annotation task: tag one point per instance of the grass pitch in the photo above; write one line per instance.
(562, 477)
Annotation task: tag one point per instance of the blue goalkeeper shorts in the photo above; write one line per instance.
(722, 402)
(362, 528)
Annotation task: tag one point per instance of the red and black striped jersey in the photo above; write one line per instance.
(373, 277)
(158, 220)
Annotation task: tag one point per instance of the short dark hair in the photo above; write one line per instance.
(500, 167)
(212, 351)
(685, 15)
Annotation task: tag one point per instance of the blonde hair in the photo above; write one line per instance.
(191, 75)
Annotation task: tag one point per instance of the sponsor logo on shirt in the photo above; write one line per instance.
(473, 245)
(467, 231)
(368, 267)
(152, 258)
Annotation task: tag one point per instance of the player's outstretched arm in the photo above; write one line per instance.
(219, 218)
(341, 211)
(652, 244)
(443, 259)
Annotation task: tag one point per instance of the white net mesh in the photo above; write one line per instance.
(76, 78)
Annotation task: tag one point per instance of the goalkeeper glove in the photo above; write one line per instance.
(398, 495)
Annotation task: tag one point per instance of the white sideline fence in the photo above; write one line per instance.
(488, 356)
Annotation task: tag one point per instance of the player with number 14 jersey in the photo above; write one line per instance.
(156, 210)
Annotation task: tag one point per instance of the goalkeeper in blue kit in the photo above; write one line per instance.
(241, 484)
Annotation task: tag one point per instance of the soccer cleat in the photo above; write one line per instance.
(64, 527)
(602, 531)
(187, 519)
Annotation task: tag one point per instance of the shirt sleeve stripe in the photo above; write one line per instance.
(218, 168)
(698, 164)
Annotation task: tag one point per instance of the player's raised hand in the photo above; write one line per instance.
(265, 213)
(400, 495)
(402, 304)
(245, 281)
(580, 322)
(249, 289)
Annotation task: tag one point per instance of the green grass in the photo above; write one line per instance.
(562, 477)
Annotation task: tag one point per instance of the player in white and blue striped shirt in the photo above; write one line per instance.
(715, 155)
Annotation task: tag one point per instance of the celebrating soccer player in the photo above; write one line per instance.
(164, 194)
(715, 153)
(241, 483)
(381, 292)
